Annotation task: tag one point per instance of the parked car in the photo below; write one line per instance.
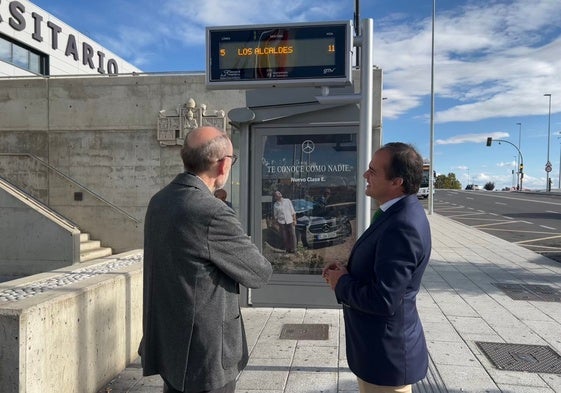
(324, 225)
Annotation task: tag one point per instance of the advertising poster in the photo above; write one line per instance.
(308, 200)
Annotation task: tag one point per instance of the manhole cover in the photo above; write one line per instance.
(522, 357)
(543, 293)
(304, 331)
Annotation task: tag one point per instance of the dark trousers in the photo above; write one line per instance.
(228, 388)
(288, 237)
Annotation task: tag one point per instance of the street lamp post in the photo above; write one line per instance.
(548, 164)
(559, 132)
(515, 171)
(431, 147)
(518, 161)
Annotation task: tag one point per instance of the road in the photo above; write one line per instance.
(531, 220)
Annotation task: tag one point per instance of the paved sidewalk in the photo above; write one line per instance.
(461, 303)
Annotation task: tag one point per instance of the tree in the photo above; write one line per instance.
(489, 186)
(447, 181)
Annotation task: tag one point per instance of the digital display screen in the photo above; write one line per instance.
(270, 55)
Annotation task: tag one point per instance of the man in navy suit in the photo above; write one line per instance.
(386, 345)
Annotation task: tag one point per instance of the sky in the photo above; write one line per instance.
(493, 62)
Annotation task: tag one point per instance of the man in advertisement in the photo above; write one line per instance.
(378, 288)
(286, 218)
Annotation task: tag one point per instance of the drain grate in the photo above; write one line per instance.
(304, 331)
(522, 357)
(533, 292)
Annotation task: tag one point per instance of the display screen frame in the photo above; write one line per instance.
(294, 54)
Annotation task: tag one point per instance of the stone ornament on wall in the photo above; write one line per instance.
(173, 128)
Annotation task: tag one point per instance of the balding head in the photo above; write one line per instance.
(201, 136)
(203, 147)
(204, 154)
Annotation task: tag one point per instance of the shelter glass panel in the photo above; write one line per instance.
(310, 178)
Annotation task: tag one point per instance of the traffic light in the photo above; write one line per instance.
(489, 141)
(521, 168)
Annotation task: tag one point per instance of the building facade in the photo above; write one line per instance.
(34, 42)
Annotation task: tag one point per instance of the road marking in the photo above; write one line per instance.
(554, 251)
(464, 215)
(539, 239)
(493, 195)
(549, 248)
(480, 219)
(493, 223)
(516, 230)
(497, 223)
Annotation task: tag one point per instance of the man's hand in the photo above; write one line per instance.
(332, 272)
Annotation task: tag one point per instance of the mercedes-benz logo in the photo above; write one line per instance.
(326, 228)
(308, 146)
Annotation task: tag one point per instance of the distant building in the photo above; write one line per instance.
(34, 42)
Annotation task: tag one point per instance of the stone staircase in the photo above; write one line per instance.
(92, 249)
(89, 249)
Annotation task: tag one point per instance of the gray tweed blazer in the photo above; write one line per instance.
(196, 255)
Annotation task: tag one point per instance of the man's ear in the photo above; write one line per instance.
(398, 181)
(221, 167)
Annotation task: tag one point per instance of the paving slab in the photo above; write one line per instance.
(459, 305)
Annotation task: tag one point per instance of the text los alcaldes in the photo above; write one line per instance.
(266, 50)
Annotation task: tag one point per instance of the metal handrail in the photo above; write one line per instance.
(68, 178)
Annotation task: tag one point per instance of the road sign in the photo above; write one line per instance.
(548, 167)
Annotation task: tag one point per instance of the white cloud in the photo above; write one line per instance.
(492, 59)
(192, 17)
(508, 164)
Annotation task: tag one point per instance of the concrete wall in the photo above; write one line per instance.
(101, 132)
(33, 240)
(71, 330)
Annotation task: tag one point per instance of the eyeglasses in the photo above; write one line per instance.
(233, 157)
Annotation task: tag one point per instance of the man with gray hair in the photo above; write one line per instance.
(196, 255)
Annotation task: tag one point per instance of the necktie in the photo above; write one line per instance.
(377, 214)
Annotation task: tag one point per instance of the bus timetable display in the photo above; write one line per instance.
(298, 54)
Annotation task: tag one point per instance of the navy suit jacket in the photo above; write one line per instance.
(384, 336)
